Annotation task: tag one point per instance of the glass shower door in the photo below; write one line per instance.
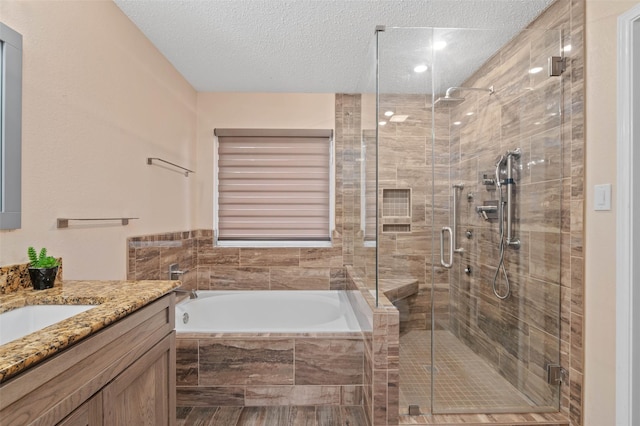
(499, 302)
(456, 123)
(405, 169)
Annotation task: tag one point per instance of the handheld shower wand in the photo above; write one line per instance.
(508, 182)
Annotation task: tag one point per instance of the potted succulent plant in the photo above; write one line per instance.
(42, 269)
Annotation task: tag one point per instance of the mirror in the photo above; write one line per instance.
(10, 127)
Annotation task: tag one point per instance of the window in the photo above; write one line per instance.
(10, 127)
(274, 187)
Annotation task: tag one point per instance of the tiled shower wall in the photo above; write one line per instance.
(406, 162)
(518, 335)
(549, 265)
(546, 305)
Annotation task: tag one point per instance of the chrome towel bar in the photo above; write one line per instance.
(64, 222)
(186, 171)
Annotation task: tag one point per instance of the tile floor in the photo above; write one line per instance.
(464, 382)
(271, 416)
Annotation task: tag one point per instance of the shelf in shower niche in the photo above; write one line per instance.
(396, 227)
(396, 202)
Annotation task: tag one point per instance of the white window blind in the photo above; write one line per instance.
(273, 184)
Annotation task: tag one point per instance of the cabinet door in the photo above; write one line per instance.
(144, 394)
(88, 414)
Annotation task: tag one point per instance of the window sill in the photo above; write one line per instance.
(275, 244)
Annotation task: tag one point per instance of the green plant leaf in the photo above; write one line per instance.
(33, 258)
(41, 261)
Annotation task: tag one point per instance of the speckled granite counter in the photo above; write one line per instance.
(113, 299)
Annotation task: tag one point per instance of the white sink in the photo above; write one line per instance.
(19, 322)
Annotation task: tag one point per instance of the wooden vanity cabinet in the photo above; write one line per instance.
(122, 375)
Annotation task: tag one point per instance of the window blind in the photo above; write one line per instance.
(273, 184)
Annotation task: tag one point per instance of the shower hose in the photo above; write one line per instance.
(501, 262)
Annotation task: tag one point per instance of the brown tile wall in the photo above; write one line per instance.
(264, 370)
(149, 256)
(544, 311)
(232, 268)
(381, 356)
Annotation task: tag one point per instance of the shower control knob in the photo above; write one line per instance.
(467, 270)
(469, 234)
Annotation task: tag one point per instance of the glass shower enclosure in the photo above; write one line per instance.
(460, 199)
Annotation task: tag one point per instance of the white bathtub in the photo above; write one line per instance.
(266, 312)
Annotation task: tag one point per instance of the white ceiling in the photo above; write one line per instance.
(323, 46)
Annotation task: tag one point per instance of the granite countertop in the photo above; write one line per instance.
(113, 299)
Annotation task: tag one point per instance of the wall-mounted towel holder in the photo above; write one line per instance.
(186, 171)
(64, 222)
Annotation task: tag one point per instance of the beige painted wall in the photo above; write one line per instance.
(98, 99)
(251, 110)
(600, 226)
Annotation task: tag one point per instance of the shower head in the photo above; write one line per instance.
(447, 102)
(450, 101)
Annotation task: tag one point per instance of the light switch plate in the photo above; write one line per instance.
(602, 197)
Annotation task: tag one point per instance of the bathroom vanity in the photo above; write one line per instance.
(113, 364)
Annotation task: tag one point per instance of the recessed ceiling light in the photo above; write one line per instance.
(457, 123)
(439, 45)
(535, 70)
(382, 123)
(388, 113)
(470, 113)
(399, 118)
(421, 68)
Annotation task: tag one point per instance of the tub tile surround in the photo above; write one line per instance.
(382, 353)
(231, 268)
(254, 369)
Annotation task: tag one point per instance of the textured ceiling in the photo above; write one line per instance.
(325, 46)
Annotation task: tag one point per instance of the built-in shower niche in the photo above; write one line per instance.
(396, 210)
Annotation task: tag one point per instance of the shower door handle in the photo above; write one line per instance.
(442, 232)
(454, 236)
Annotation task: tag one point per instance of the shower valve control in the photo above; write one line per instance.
(489, 210)
(175, 272)
(467, 270)
(469, 234)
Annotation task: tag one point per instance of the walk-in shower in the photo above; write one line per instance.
(461, 165)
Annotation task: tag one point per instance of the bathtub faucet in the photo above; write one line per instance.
(192, 293)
